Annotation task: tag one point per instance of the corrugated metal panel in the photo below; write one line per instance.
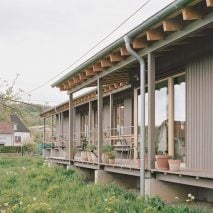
(200, 113)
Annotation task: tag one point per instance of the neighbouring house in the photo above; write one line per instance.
(13, 133)
(6, 134)
(176, 46)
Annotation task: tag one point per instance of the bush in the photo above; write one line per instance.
(30, 147)
(10, 149)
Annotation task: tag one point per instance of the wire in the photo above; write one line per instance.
(103, 39)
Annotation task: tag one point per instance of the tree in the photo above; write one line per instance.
(7, 97)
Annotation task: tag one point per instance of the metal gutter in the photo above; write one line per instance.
(168, 10)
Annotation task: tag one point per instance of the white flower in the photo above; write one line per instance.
(34, 198)
(176, 198)
(187, 200)
(6, 204)
(189, 195)
(105, 200)
(20, 203)
(192, 197)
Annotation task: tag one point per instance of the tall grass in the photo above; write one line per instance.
(28, 185)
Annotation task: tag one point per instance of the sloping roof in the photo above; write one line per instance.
(19, 124)
(167, 26)
(6, 128)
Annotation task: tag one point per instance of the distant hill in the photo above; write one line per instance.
(30, 114)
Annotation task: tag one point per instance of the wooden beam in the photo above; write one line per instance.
(71, 82)
(124, 51)
(154, 35)
(171, 26)
(97, 67)
(209, 3)
(105, 63)
(82, 76)
(139, 43)
(66, 85)
(76, 79)
(190, 13)
(115, 57)
(89, 72)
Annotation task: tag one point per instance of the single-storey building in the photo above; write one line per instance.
(153, 94)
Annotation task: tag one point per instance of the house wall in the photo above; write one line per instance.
(24, 136)
(7, 139)
(199, 75)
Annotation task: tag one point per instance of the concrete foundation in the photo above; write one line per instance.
(84, 173)
(126, 181)
(169, 192)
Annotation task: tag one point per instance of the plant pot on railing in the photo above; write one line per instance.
(174, 165)
(94, 157)
(107, 148)
(84, 156)
(90, 148)
(162, 161)
(138, 162)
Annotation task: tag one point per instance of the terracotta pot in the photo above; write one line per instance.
(84, 156)
(94, 158)
(138, 162)
(111, 161)
(89, 156)
(162, 161)
(104, 158)
(174, 165)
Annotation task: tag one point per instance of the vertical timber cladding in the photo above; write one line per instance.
(200, 113)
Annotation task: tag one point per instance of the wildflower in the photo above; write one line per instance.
(189, 195)
(34, 198)
(105, 200)
(6, 204)
(192, 197)
(188, 200)
(176, 198)
(20, 203)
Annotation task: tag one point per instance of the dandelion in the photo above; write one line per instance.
(189, 195)
(192, 197)
(20, 203)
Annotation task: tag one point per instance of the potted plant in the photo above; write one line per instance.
(174, 164)
(84, 141)
(162, 160)
(105, 150)
(90, 148)
(138, 158)
(111, 156)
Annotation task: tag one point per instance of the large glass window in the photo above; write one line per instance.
(84, 124)
(161, 116)
(179, 116)
(119, 119)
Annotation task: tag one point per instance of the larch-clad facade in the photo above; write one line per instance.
(177, 47)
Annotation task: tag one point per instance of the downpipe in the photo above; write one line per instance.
(142, 124)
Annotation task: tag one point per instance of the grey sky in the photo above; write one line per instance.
(39, 38)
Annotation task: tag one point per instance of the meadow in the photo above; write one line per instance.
(27, 185)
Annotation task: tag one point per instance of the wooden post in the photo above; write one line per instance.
(151, 111)
(100, 118)
(111, 115)
(135, 123)
(44, 137)
(71, 151)
(90, 122)
(52, 133)
(171, 116)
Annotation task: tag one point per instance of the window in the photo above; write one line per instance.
(179, 116)
(84, 124)
(17, 139)
(119, 119)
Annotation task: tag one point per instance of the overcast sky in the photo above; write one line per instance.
(40, 38)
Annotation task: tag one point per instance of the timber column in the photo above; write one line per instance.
(100, 118)
(151, 111)
(71, 151)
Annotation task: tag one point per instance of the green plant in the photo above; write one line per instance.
(111, 155)
(107, 148)
(90, 147)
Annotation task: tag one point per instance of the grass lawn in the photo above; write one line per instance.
(28, 185)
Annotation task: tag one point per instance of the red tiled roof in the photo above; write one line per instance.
(6, 128)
